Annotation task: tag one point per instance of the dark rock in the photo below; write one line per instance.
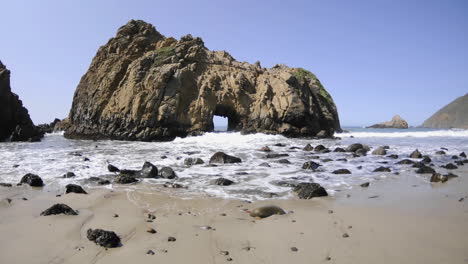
(361, 152)
(69, 175)
(284, 161)
(294, 249)
(86, 159)
(459, 162)
(418, 165)
(365, 185)
(279, 145)
(294, 148)
(32, 179)
(273, 156)
(310, 165)
(382, 169)
(112, 168)
(16, 165)
(379, 151)
(223, 182)
(73, 188)
(306, 190)
(396, 122)
(308, 147)
(342, 159)
(266, 211)
(339, 150)
(148, 170)
(171, 239)
(327, 160)
(393, 156)
(193, 161)
(125, 179)
(151, 231)
(150, 252)
(221, 157)
(265, 149)
(5, 184)
(450, 166)
(452, 115)
(319, 148)
(59, 209)
(462, 155)
(173, 185)
(437, 177)
(286, 183)
(426, 159)
(425, 169)
(107, 239)
(16, 124)
(191, 152)
(405, 162)
(167, 173)
(354, 147)
(416, 154)
(455, 157)
(264, 164)
(341, 171)
(48, 128)
(440, 152)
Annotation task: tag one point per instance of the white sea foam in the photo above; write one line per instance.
(55, 156)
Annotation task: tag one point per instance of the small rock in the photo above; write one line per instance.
(150, 252)
(319, 148)
(341, 171)
(171, 239)
(345, 235)
(425, 169)
(223, 182)
(69, 175)
(274, 156)
(294, 249)
(148, 170)
(426, 159)
(116, 215)
(416, 154)
(393, 156)
(221, 157)
(73, 188)
(265, 149)
(382, 169)
(125, 179)
(366, 184)
(59, 209)
(310, 165)
(107, 239)
(462, 155)
(308, 147)
(229, 259)
(284, 161)
(405, 162)
(266, 211)
(151, 231)
(455, 157)
(193, 161)
(279, 145)
(450, 166)
(86, 159)
(167, 172)
(5, 184)
(339, 150)
(112, 168)
(379, 151)
(440, 152)
(224, 253)
(32, 179)
(264, 164)
(307, 190)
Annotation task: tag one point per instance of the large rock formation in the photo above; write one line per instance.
(144, 86)
(453, 115)
(15, 123)
(396, 122)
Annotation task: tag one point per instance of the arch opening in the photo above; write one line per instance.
(225, 119)
(220, 123)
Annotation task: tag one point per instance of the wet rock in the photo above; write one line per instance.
(264, 164)
(341, 171)
(382, 169)
(276, 155)
(450, 166)
(125, 179)
(171, 239)
(86, 159)
(306, 190)
(193, 161)
(455, 157)
(134, 173)
(107, 239)
(310, 165)
(425, 170)
(459, 162)
(112, 168)
(308, 147)
(16, 165)
(32, 179)
(294, 249)
(191, 152)
(462, 155)
(339, 150)
(418, 165)
(284, 161)
(361, 152)
(167, 173)
(221, 157)
(265, 149)
(294, 148)
(319, 148)
(279, 145)
(327, 160)
(266, 211)
(69, 175)
(103, 182)
(223, 182)
(393, 156)
(151, 231)
(379, 151)
(173, 185)
(365, 185)
(440, 152)
(73, 188)
(150, 252)
(405, 162)
(437, 177)
(5, 184)
(59, 209)
(148, 170)
(416, 154)
(285, 183)
(354, 147)
(345, 235)
(342, 159)
(426, 159)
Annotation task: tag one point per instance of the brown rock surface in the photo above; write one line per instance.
(144, 86)
(396, 122)
(453, 115)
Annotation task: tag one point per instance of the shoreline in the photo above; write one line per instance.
(411, 221)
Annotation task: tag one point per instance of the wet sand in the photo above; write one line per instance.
(411, 221)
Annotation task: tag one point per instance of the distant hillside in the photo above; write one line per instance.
(453, 115)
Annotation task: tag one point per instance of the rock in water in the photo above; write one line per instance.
(112, 168)
(341, 171)
(59, 209)
(125, 179)
(168, 173)
(149, 170)
(379, 151)
(307, 190)
(16, 125)
(396, 122)
(73, 188)
(416, 154)
(221, 157)
(107, 239)
(310, 165)
(453, 115)
(266, 211)
(223, 182)
(193, 161)
(144, 86)
(32, 179)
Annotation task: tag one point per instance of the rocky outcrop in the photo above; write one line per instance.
(144, 86)
(453, 115)
(396, 122)
(16, 125)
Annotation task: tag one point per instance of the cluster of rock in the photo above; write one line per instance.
(396, 122)
(16, 124)
(144, 86)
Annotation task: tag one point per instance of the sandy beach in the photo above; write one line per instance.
(400, 219)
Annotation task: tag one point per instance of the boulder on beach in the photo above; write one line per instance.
(266, 211)
(74, 188)
(223, 182)
(59, 209)
(382, 169)
(16, 124)
(112, 168)
(396, 122)
(308, 147)
(415, 154)
(167, 173)
(379, 151)
(125, 179)
(149, 87)
(107, 239)
(221, 157)
(341, 171)
(425, 170)
(148, 170)
(310, 165)
(437, 177)
(308, 190)
(32, 179)
(193, 161)
(276, 155)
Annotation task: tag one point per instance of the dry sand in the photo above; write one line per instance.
(411, 221)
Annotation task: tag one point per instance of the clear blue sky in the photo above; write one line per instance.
(377, 58)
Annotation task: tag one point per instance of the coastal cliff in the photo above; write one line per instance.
(144, 86)
(453, 115)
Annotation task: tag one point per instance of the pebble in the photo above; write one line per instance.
(229, 259)
(223, 214)
(151, 231)
(224, 253)
(330, 211)
(25, 199)
(116, 215)
(345, 235)
(150, 252)
(328, 258)
(171, 239)
(294, 249)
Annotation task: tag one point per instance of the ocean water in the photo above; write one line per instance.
(55, 155)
